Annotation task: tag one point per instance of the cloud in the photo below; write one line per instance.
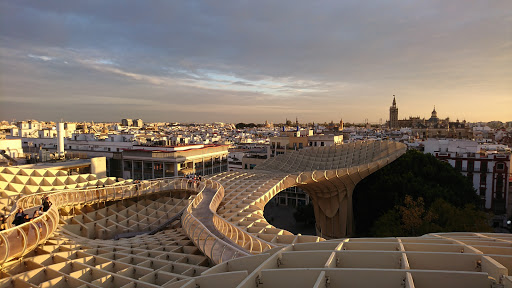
(242, 83)
(334, 57)
(105, 62)
(38, 57)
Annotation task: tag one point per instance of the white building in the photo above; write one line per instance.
(486, 165)
(325, 140)
(26, 129)
(127, 122)
(12, 148)
(235, 157)
(47, 133)
(138, 123)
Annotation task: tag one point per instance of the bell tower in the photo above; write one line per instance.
(393, 115)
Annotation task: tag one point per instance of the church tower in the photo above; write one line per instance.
(393, 115)
(433, 118)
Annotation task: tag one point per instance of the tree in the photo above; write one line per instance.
(413, 219)
(305, 214)
(453, 219)
(414, 174)
(244, 125)
(414, 216)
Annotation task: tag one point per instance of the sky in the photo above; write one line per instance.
(251, 61)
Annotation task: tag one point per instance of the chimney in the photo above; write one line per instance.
(60, 138)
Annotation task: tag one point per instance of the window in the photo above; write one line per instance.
(471, 166)
(127, 165)
(322, 144)
(499, 184)
(483, 179)
(500, 166)
(499, 195)
(458, 165)
(483, 166)
(310, 143)
(301, 146)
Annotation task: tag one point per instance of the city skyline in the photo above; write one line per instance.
(236, 62)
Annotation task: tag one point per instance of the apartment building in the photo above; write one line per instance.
(486, 165)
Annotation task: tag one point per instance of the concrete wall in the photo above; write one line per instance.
(12, 147)
(99, 166)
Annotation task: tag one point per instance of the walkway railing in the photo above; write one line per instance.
(208, 239)
(239, 236)
(216, 240)
(243, 239)
(20, 240)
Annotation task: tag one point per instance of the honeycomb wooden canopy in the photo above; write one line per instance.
(178, 232)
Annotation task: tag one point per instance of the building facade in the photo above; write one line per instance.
(296, 140)
(138, 123)
(235, 159)
(127, 122)
(26, 129)
(486, 166)
(147, 162)
(254, 157)
(324, 140)
(12, 148)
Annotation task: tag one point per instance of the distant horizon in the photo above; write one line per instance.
(255, 61)
(235, 122)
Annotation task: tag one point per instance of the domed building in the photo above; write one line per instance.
(433, 118)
